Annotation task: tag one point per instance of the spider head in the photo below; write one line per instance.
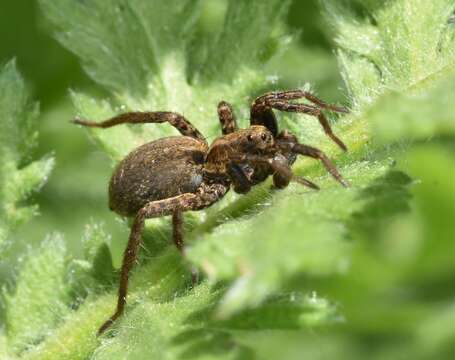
(255, 138)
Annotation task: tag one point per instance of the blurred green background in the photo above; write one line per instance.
(79, 180)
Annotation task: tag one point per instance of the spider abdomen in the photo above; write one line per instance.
(157, 170)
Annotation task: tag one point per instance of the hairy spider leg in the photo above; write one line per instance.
(299, 94)
(204, 197)
(177, 236)
(304, 181)
(278, 166)
(315, 153)
(239, 179)
(227, 118)
(282, 173)
(262, 110)
(176, 120)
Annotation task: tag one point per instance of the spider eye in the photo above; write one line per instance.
(250, 138)
(264, 137)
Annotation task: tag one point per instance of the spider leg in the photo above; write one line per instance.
(204, 197)
(239, 178)
(227, 118)
(262, 114)
(310, 110)
(177, 236)
(299, 94)
(305, 182)
(278, 166)
(176, 120)
(262, 110)
(315, 153)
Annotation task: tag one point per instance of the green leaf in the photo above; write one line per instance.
(416, 115)
(40, 298)
(183, 327)
(245, 37)
(94, 271)
(406, 45)
(19, 175)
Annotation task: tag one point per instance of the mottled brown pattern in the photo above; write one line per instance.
(227, 118)
(158, 170)
(176, 174)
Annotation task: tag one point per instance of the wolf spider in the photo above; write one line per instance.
(175, 174)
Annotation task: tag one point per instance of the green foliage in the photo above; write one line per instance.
(37, 303)
(50, 281)
(421, 114)
(388, 54)
(276, 263)
(94, 271)
(19, 175)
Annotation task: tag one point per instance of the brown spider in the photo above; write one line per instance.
(180, 173)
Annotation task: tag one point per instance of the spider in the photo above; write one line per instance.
(175, 174)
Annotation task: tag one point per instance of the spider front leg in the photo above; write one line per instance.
(318, 154)
(276, 165)
(283, 175)
(227, 118)
(262, 110)
(204, 197)
(240, 175)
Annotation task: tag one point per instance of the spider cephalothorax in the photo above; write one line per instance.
(175, 174)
